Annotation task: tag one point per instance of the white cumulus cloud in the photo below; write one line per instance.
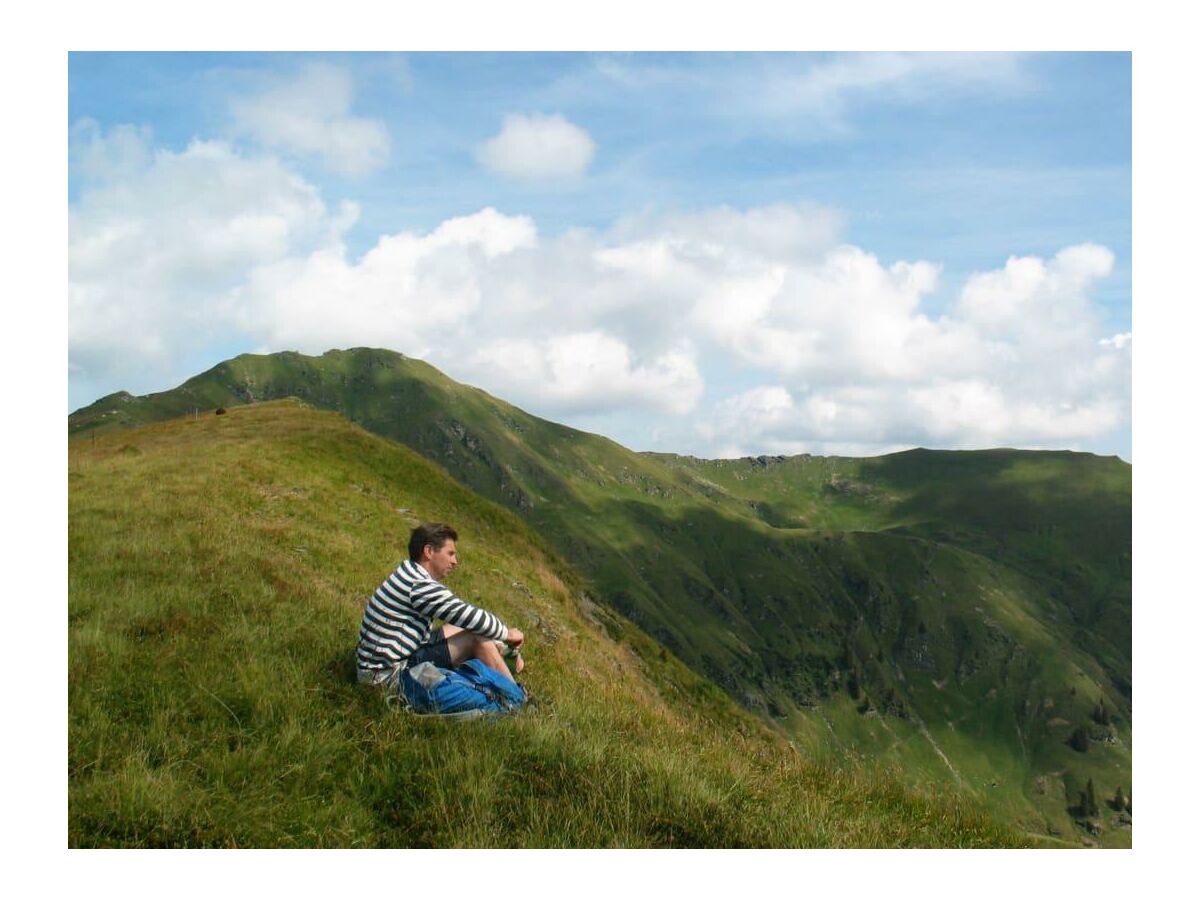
(1018, 361)
(157, 237)
(1031, 294)
(410, 291)
(538, 146)
(759, 411)
(590, 372)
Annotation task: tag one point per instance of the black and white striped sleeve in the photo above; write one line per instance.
(435, 600)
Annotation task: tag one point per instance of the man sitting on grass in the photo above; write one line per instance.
(397, 627)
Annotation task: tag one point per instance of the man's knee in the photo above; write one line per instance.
(486, 648)
(465, 645)
(479, 647)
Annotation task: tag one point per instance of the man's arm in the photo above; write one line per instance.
(435, 600)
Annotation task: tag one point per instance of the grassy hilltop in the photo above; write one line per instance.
(218, 569)
(962, 617)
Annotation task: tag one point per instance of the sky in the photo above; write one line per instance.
(718, 254)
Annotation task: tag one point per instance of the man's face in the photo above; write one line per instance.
(438, 563)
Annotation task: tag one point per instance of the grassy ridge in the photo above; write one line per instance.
(218, 567)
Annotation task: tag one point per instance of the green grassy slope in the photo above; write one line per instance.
(957, 614)
(992, 598)
(218, 569)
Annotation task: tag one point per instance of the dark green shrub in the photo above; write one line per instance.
(1079, 739)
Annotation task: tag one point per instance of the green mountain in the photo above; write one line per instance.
(218, 570)
(961, 616)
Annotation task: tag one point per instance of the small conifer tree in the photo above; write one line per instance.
(1079, 739)
(1118, 801)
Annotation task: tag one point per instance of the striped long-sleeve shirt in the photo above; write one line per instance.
(399, 618)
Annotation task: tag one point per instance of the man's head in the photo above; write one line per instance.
(432, 544)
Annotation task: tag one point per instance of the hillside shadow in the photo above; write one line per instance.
(754, 610)
(1003, 489)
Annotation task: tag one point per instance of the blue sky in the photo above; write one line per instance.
(929, 249)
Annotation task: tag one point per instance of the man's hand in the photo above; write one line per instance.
(515, 638)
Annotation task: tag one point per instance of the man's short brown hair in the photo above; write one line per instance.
(432, 533)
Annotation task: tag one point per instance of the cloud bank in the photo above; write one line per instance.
(647, 320)
(157, 239)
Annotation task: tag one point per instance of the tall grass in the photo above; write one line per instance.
(218, 568)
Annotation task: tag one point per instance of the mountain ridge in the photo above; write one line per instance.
(820, 592)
